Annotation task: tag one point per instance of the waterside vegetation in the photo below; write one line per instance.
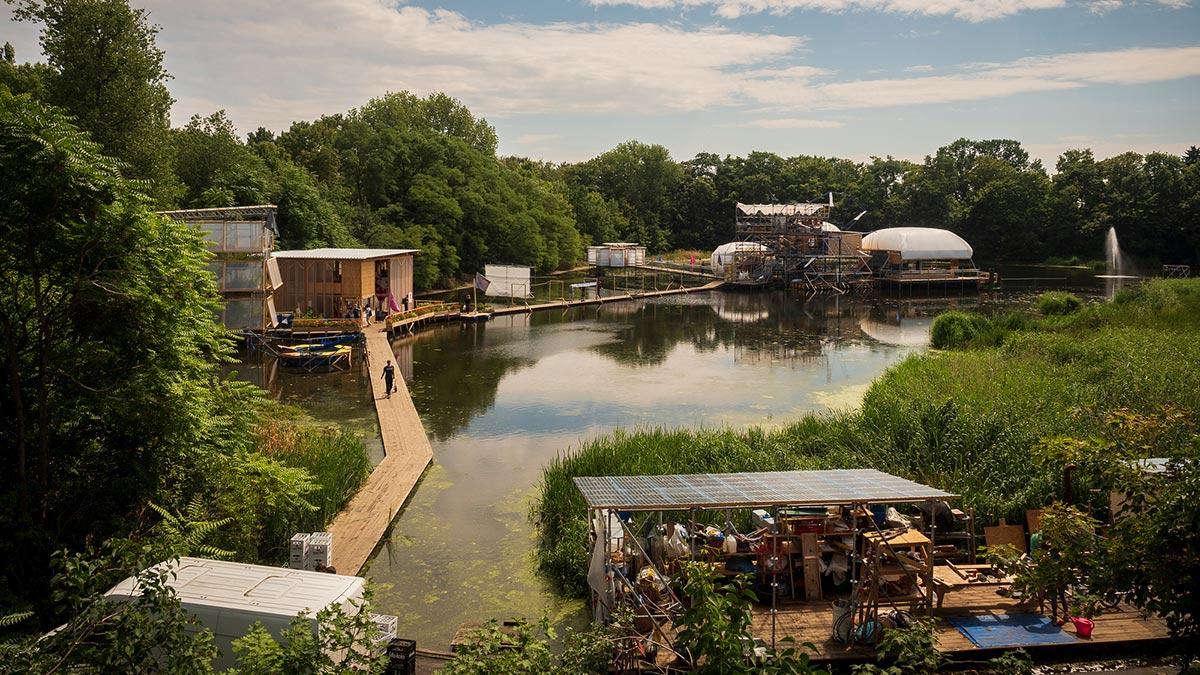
(996, 420)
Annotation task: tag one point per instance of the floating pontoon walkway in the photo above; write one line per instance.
(359, 527)
(635, 295)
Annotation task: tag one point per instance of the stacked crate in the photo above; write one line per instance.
(298, 560)
(320, 550)
(386, 624)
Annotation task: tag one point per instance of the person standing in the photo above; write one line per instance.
(389, 377)
(369, 312)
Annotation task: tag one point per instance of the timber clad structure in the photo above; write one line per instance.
(328, 281)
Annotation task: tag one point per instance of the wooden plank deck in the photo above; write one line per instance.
(634, 295)
(359, 527)
(1123, 627)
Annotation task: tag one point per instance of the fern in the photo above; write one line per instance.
(185, 533)
(14, 618)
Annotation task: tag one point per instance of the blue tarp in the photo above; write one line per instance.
(1010, 630)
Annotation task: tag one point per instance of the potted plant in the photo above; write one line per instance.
(1063, 560)
(1084, 608)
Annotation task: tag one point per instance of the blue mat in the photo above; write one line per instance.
(1010, 630)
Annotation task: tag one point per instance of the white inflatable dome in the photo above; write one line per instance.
(723, 254)
(919, 243)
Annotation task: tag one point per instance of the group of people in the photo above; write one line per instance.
(361, 311)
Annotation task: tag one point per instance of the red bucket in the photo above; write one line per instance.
(1083, 627)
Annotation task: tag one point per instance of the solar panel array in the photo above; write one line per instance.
(773, 488)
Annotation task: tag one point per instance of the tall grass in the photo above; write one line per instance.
(969, 421)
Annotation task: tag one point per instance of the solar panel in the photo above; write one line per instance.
(771, 488)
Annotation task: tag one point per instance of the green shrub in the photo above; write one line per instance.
(952, 330)
(1057, 303)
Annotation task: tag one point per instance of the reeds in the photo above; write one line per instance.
(968, 421)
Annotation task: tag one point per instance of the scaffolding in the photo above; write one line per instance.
(799, 248)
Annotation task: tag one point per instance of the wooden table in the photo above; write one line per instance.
(947, 578)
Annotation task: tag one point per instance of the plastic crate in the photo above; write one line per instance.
(401, 657)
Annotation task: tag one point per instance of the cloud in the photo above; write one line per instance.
(924, 68)
(966, 10)
(534, 139)
(793, 123)
(982, 81)
(269, 62)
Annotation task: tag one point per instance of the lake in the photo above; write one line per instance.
(499, 399)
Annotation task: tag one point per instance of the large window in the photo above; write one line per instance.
(243, 276)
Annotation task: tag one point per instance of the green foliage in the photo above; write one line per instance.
(1015, 662)
(1068, 555)
(714, 628)
(1053, 303)
(109, 340)
(994, 424)
(106, 70)
(1154, 546)
(340, 642)
(908, 651)
(515, 649)
(187, 531)
(952, 329)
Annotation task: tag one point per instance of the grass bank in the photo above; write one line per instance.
(980, 420)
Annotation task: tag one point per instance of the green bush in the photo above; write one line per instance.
(1057, 303)
(972, 421)
(952, 330)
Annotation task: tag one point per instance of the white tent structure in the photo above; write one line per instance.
(724, 254)
(918, 243)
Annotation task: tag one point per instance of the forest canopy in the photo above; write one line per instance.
(404, 170)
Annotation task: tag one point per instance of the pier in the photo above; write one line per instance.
(604, 300)
(359, 527)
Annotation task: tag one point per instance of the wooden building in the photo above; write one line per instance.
(241, 239)
(326, 282)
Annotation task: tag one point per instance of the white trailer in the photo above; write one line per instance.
(228, 597)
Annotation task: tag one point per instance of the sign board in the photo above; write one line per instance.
(508, 281)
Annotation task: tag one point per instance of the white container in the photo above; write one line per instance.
(320, 549)
(298, 559)
(227, 597)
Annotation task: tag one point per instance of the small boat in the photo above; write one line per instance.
(310, 356)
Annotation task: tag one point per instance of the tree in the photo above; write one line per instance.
(23, 78)
(109, 344)
(108, 73)
(1154, 548)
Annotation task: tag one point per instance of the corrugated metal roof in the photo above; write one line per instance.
(279, 591)
(345, 253)
(736, 490)
(223, 213)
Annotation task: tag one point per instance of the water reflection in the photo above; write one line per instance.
(502, 398)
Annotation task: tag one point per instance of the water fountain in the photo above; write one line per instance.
(1114, 266)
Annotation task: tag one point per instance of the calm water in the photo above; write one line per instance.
(500, 399)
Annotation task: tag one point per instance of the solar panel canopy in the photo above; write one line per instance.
(771, 488)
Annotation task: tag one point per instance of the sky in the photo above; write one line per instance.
(566, 80)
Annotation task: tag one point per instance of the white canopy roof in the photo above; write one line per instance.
(919, 243)
(781, 209)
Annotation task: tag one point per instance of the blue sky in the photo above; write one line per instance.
(567, 80)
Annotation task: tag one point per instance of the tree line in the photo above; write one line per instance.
(423, 172)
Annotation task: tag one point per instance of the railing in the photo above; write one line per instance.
(422, 310)
(316, 323)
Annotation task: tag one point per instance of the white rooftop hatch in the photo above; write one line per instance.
(919, 243)
(345, 253)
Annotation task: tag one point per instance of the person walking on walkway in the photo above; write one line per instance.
(389, 377)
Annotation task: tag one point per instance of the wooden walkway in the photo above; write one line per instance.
(359, 527)
(635, 295)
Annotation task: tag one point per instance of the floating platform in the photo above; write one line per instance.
(359, 527)
(1116, 629)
